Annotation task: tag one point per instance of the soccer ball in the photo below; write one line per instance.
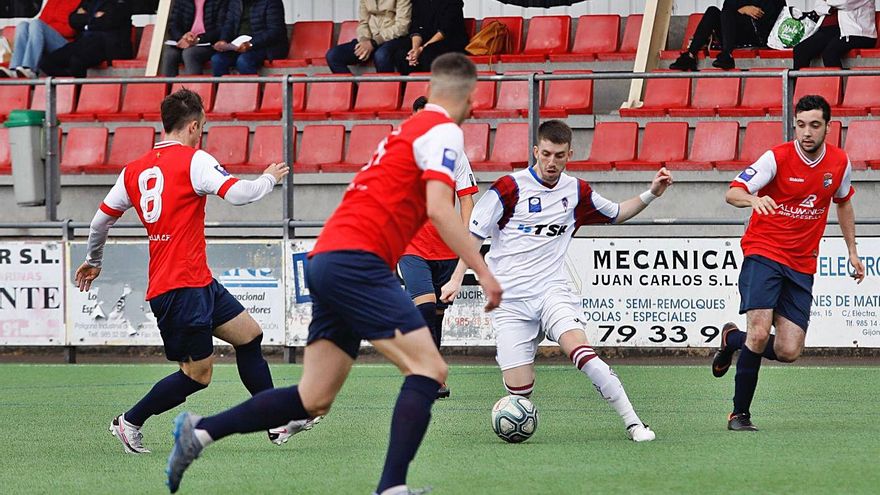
(514, 418)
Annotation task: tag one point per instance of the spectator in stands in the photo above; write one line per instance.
(103, 30)
(738, 23)
(437, 27)
(381, 30)
(848, 24)
(263, 21)
(36, 37)
(195, 26)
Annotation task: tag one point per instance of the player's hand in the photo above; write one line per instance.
(764, 205)
(492, 290)
(751, 11)
(859, 268)
(85, 274)
(661, 181)
(450, 290)
(277, 170)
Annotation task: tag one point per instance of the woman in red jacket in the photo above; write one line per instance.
(36, 37)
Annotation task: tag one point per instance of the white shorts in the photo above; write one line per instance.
(521, 325)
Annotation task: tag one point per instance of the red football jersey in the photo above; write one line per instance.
(803, 190)
(168, 188)
(385, 204)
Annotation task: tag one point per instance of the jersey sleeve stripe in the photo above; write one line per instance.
(110, 211)
(846, 198)
(467, 191)
(585, 212)
(226, 185)
(737, 183)
(435, 175)
(508, 192)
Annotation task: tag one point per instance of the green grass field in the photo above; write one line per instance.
(820, 434)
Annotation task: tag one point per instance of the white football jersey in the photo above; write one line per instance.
(531, 225)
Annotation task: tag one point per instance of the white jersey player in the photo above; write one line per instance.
(531, 216)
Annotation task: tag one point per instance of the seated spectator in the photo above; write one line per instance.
(848, 24)
(739, 23)
(437, 27)
(263, 21)
(195, 25)
(36, 37)
(381, 30)
(103, 30)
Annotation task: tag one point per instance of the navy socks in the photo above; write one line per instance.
(267, 409)
(412, 413)
(746, 380)
(429, 313)
(737, 340)
(168, 393)
(252, 367)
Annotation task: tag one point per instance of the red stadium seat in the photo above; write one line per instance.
(693, 21)
(325, 98)
(861, 95)
(413, 90)
(320, 144)
(828, 87)
(362, 143)
(267, 148)
(760, 96)
(630, 40)
(513, 99)
(8, 32)
(129, 144)
(760, 137)
(205, 90)
(373, 97)
(142, 101)
(308, 44)
(85, 147)
(612, 142)
(5, 156)
(140, 60)
(662, 142)
(470, 27)
(861, 143)
(661, 95)
(235, 98)
(595, 34)
(94, 99)
(568, 97)
(511, 148)
(347, 32)
(713, 141)
(483, 97)
(13, 98)
(271, 103)
(228, 144)
(476, 141)
(547, 34)
(65, 96)
(709, 96)
(514, 28)
(834, 133)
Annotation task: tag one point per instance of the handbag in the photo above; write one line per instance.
(792, 27)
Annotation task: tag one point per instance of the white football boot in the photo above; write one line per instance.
(131, 437)
(640, 433)
(281, 435)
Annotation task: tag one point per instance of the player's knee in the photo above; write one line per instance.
(201, 374)
(439, 371)
(757, 341)
(318, 407)
(787, 355)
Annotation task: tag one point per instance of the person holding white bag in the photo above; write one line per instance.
(848, 24)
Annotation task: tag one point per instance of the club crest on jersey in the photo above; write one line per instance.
(747, 174)
(565, 204)
(449, 158)
(534, 204)
(827, 180)
(220, 169)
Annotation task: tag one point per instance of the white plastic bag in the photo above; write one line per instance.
(793, 26)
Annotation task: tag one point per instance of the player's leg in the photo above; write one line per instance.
(419, 360)
(792, 315)
(441, 273)
(517, 335)
(416, 274)
(519, 380)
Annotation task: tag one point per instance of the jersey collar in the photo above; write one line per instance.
(165, 144)
(805, 159)
(539, 180)
(437, 108)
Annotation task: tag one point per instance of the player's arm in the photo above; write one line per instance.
(744, 191)
(209, 177)
(634, 206)
(113, 206)
(846, 217)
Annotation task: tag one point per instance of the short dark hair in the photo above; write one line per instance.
(555, 131)
(419, 103)
(454, 64)
(814, 102)
(180, 108)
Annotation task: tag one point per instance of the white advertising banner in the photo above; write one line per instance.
(660, 292)
(114, 311)
(32, 293)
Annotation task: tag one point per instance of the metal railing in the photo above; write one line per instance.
(787, 79)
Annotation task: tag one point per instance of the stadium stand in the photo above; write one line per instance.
(511, 148)
(547, 35)
(661, 95)
(234, 98)
(760, 136)
(143, 51)
(372, 97)
(362, 144)
(629, 43)
(228, 144)
(129, 143)
(5, 159)
(94, 99)
(13, 97)
(86, 147)
(861, 144)
(321, 144)
(612, 142)
(476, 141)
(595, 34)
(141, 102)
(709, 96)
(326, 98)
(714, 141)
(205, 90)
(308, 44)
(661, 142)
(568, 97)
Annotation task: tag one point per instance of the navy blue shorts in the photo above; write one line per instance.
(421, 276)
(356, 296)
(767, 284)
(188, 316)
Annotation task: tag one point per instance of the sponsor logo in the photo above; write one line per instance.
(549, 230)
(534, 204)
(747, 174)
(449, 158)
(220, 169)
(795, 179)
(827, 180)
(248, 277)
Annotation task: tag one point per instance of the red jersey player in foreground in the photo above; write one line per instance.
(355, 293)
(789, 190)
(168, 188)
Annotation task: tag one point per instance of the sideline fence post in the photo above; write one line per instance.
(786, 105)
(534, 114)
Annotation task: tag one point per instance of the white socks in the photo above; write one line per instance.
(609, 387)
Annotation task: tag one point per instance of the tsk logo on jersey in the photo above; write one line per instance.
(747, 174)
(827, 179)
(449, 158)
(534, 205)
(550, 230)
